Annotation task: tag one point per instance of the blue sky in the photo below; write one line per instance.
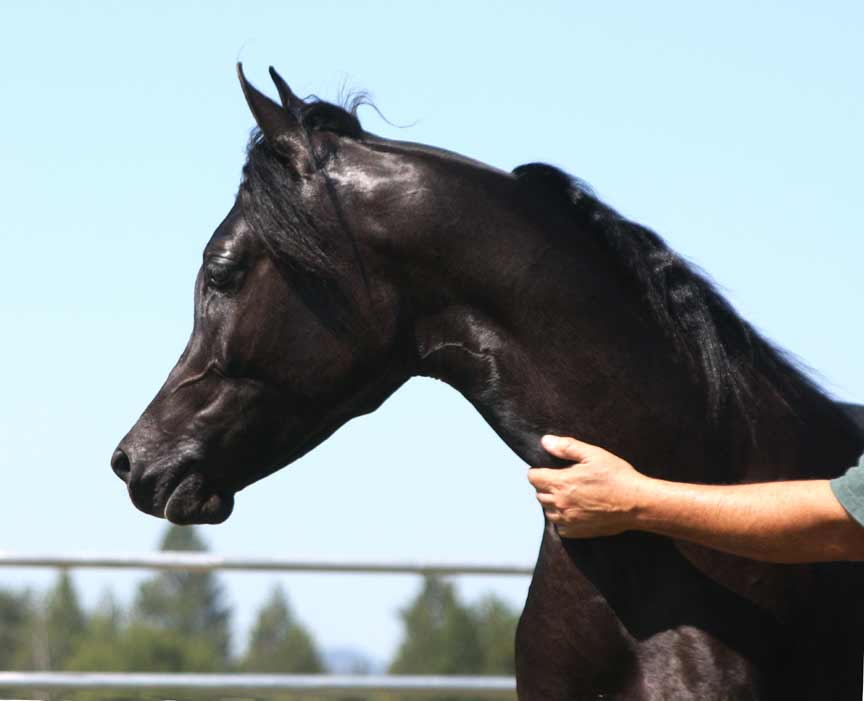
(732, 129)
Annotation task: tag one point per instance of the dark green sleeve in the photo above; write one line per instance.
(849, 490)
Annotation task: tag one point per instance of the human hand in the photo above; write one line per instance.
(598, 496)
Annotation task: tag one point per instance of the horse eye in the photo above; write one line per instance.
(221, 275)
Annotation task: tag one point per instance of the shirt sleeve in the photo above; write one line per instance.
(849, 490)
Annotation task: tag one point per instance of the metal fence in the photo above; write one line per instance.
(293, 685)
(296, 685)
(203, 562)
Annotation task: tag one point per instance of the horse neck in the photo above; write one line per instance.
(561, 345)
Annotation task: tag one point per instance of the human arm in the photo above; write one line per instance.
(798, 521)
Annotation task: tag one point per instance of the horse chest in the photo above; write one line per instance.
(631, 618)
(588, 633)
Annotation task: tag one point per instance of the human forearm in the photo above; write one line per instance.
(602, 495)
(779, 521)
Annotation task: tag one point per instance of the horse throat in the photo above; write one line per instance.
(475, 356)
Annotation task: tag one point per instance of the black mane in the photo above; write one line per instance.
(731, 357)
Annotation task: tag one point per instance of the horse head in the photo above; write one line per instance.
(296, 329)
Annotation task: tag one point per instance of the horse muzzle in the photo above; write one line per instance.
(174, 488)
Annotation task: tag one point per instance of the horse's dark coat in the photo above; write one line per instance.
(350, 263)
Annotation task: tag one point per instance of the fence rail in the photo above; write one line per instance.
(203, 562)
(291, 684)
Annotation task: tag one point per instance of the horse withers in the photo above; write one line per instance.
(350, 263)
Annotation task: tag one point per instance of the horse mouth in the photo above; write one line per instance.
(193, 501)
(181, 494)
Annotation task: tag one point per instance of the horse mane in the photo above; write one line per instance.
(734, 362)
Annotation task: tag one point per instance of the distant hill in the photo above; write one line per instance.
(348, 660)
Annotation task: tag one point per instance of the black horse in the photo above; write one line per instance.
(350, 263)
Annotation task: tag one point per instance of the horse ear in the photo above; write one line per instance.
(290, 101)
(275, 122)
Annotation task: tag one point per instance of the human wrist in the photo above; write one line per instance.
(649, 512)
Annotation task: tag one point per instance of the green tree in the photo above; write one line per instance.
(62, 624)
(186, 606)
(496, 628)
(440, 635)
(16, 619)
(279, 643)
(101, 646)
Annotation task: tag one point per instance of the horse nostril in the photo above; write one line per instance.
(120, 465)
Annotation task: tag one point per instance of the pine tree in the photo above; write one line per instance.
(279, 644)
(16, 613)
(62, 624)
(440, 634)
(496, 628)
(187, 605)
(101, 647)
